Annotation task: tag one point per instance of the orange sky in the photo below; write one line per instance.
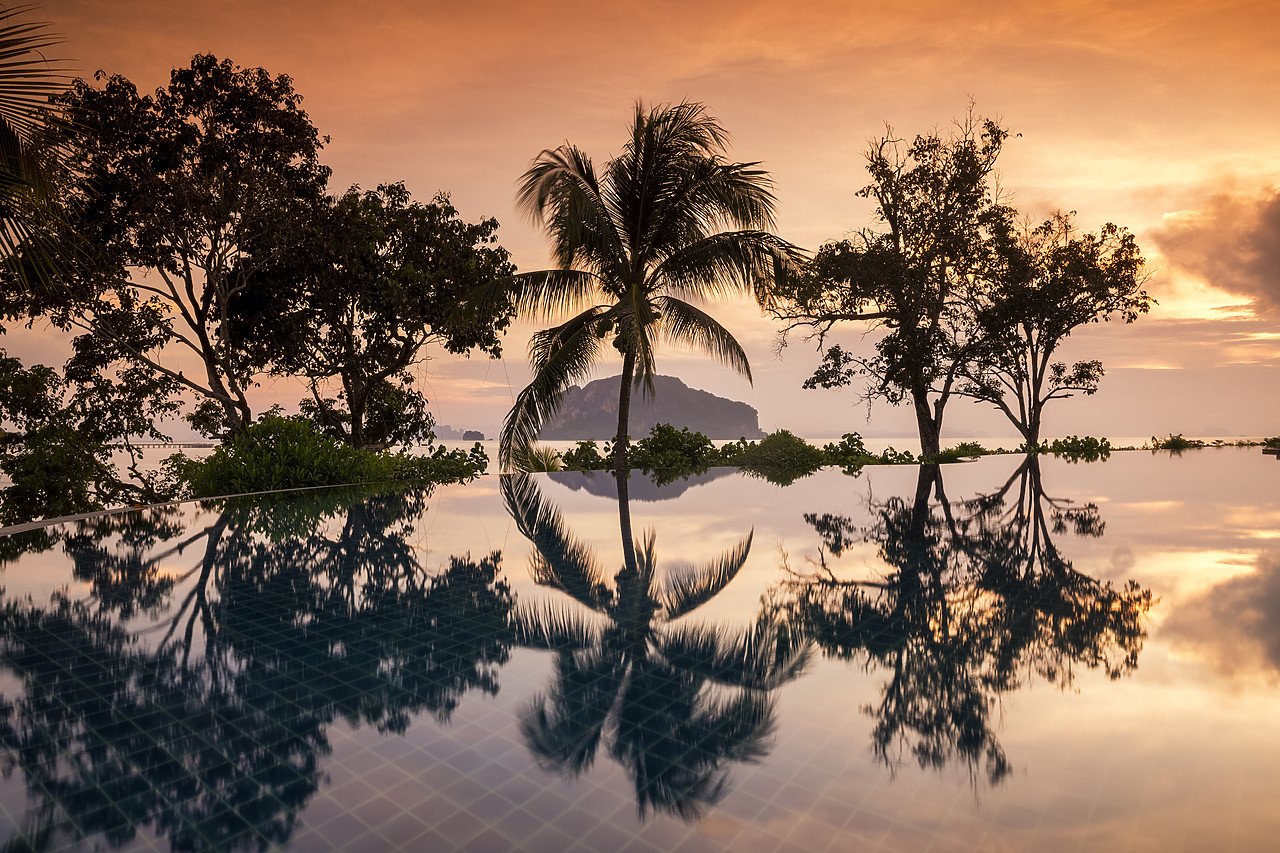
(1158, 116)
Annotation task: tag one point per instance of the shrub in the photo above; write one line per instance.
(1273, 442)
(849, 452)
(289, 453)
(669, 448)
(1076, 448)
(584, 457)
(779, 457)
(955, 454)
(1175, 443)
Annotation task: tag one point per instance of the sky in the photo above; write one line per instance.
(1160, 117)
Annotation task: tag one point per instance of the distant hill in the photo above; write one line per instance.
(591, 412)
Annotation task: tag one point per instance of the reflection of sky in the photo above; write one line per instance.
(1181, 751)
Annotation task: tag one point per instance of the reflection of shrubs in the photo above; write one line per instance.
(289, 453)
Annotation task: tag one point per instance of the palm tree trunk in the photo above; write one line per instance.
(621, 471)
(620, 466)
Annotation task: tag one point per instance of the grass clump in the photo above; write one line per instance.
(289, 453)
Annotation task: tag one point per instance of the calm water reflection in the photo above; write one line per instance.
(1002, 654)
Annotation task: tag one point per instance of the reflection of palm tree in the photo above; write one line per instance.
(673, 702)
(975, 595)
(632, 243)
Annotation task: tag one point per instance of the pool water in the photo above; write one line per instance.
(1004, 655)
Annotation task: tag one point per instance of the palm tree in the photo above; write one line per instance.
(666, 220)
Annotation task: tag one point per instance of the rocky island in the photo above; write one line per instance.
(591, 412)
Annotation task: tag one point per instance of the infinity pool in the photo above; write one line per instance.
(1005, 655)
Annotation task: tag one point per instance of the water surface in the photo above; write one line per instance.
(1006, 654)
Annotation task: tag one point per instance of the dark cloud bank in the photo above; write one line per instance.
(1233, 242)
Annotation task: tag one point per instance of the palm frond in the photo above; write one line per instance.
(561, 193)
(552, 293)
(31, 147)
(562, 561)
(725, 263)
(560, 357)
(27, 77)
(685, 324)
(697, 586)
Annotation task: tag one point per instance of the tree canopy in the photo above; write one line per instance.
(1053, 282)
(164, 196)
(371, 280)
(938, 206)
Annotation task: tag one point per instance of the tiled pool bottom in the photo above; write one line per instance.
(325, 676)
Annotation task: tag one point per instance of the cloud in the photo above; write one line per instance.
(1233, 242)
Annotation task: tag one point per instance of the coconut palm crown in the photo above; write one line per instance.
(667, 220)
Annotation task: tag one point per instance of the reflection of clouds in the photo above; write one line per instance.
(1234, 626)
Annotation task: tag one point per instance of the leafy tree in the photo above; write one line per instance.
(373, 279)
(936, 200)
(1053, 282)
(631, 243)
(166, 194)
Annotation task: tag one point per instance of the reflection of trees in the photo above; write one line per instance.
(976, 598)
(673, 703)
(209, 727)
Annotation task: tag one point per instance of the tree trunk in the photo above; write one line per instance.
(1031, 432)
(357, 402)
(928, 425)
